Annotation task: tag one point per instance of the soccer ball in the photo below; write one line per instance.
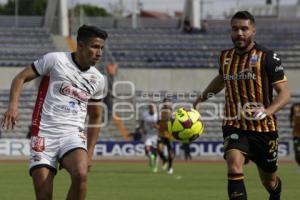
(185, 124)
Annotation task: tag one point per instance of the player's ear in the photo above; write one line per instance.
(253, 28)
(80, 44)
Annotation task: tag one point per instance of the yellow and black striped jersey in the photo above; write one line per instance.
(165, 115)
(249, 79)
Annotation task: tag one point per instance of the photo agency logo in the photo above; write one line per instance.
(127, 103)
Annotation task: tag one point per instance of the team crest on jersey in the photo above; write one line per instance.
(253, 60)
(93, 79)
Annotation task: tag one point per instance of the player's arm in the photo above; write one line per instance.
(156, 125)
(11, 115)
(214, 87)
(95, 115)
(281, 99)
(279, 82)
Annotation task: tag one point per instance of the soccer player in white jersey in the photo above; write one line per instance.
(70, 82)
(148, 125)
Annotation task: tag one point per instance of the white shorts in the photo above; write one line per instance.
(151, 140)
(48, 151)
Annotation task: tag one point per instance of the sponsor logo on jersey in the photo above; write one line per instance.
(226, 62)
(75, 93)
(243, 75)
(93, 79)
(278, 68)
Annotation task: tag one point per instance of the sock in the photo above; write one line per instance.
(162, 156)
(170, 162)
(275, 193)
(236, 188)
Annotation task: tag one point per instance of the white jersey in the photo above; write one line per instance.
(61, 105)
(149, 122)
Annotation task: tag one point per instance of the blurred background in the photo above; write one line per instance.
(155, 49)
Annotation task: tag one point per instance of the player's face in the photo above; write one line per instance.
(91, 51)
(242, 34)
(151, 109)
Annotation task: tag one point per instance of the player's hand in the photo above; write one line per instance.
(195, 104)
(9, 119)
(260, 114)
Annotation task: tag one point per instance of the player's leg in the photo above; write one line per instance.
(75, 162)
(149, 151)
(43, 182)
(186, 150)
(235, 186)
(154, 158)
(170, 155)
(272, 183)
(265, 151)
(235, 148)
(73, 157)
(297, 150)
(160, 151)
(42, 168)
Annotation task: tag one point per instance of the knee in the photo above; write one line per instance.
(234, 167)
(79, 175)
(269, 182)
(235, 162)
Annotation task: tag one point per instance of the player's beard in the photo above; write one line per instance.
(241, 44)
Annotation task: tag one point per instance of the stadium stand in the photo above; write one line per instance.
(20, 46)
(170, 48)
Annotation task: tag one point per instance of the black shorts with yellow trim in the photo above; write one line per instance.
(260, 147)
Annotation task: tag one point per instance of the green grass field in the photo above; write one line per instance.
(135, 181)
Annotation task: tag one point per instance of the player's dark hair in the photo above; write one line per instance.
(166, 99)
(86, 32)
(243, 15)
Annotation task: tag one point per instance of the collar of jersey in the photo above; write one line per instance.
(77, 64)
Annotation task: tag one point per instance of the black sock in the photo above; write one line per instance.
(170, 162)
(275, 193)
(236, 188)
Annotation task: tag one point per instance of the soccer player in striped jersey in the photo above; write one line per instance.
(249, 73)
(295, 124)
(70, 83)
(165, 137)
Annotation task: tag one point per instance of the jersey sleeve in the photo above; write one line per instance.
(44, 65)
(100, 92)
(275, 70)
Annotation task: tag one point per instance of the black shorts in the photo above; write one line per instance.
(165, 141)
(260, 147)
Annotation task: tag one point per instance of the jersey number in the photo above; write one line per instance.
(273, 145)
